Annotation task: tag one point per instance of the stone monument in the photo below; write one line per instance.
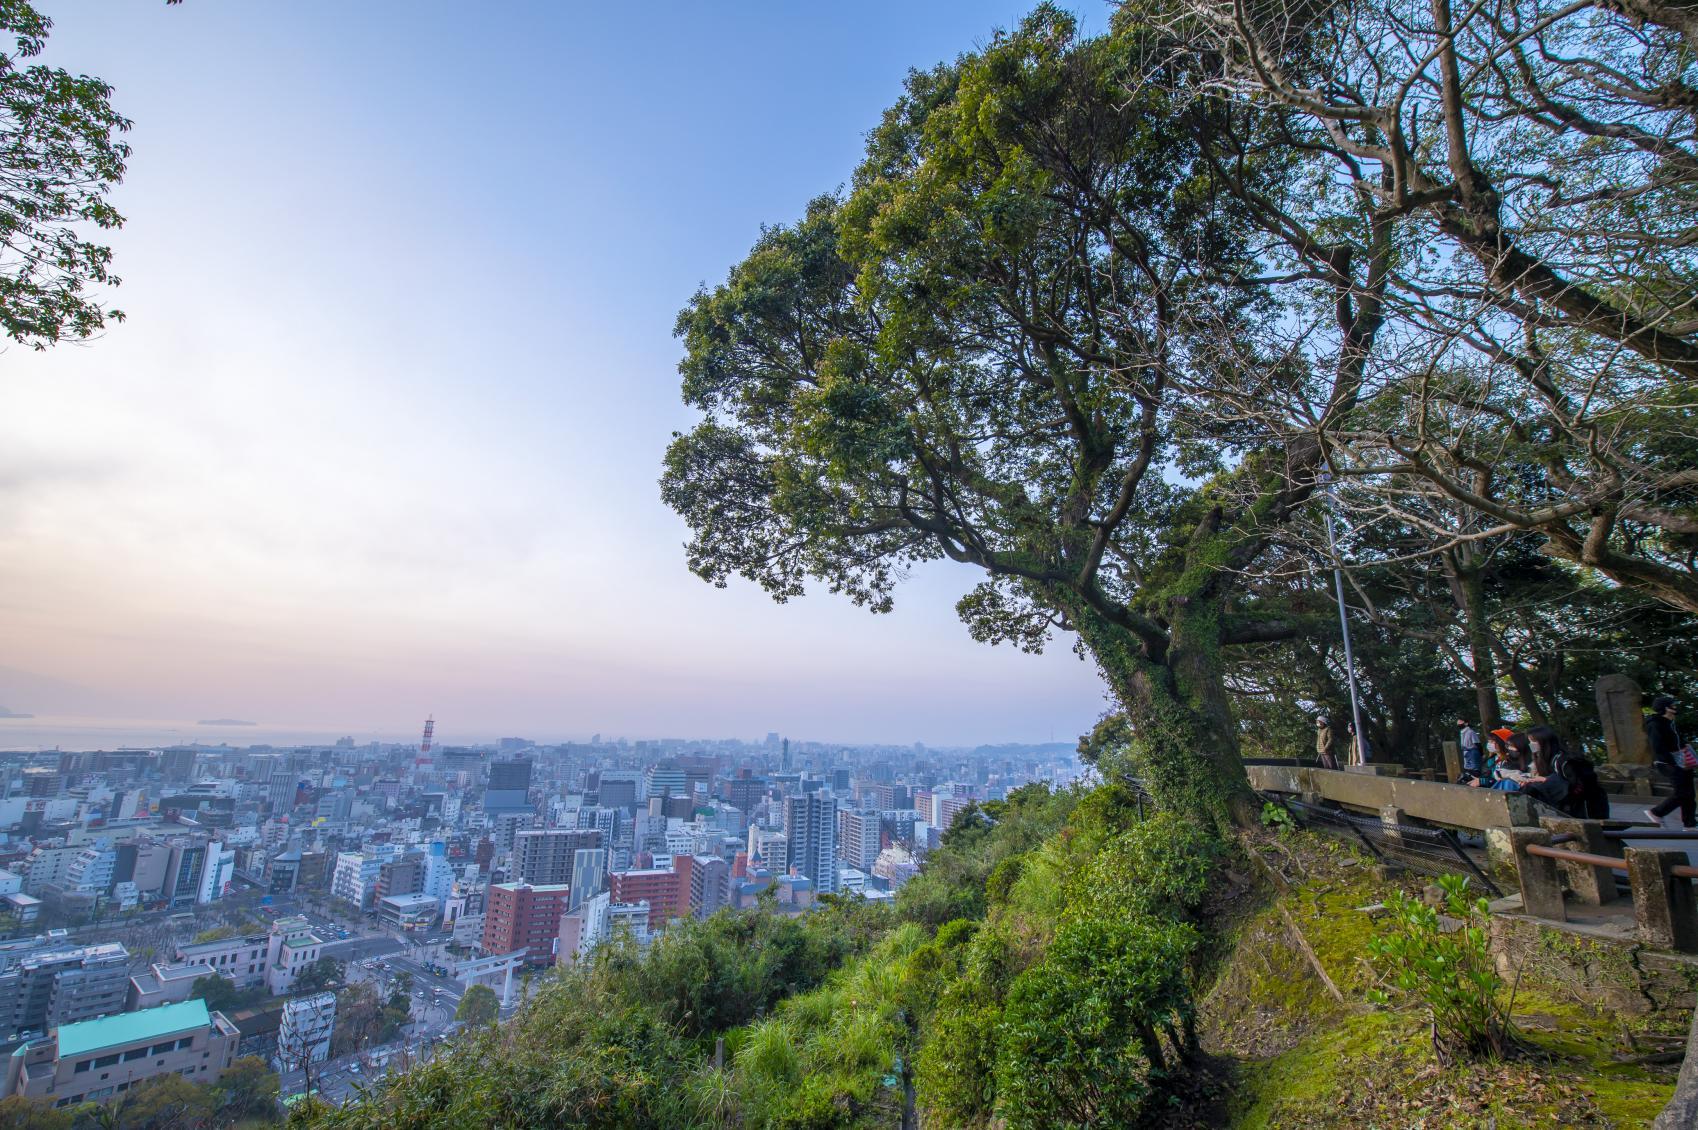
(1621, 707)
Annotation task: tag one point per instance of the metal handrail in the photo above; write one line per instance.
(1586, 858)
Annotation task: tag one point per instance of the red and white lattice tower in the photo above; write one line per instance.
(424, 745)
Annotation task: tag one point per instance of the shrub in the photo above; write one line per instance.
(1448, 968)
(1160, 866)
(1081, 1033)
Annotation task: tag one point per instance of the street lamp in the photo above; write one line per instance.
(1343, 618)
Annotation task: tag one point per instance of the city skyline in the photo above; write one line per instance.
(337, 493)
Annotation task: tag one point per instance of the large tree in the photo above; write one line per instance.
(998, 348)
(1537, 165)
(60, 155)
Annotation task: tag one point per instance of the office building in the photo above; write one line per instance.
(47, 988)
(519, 917)
(589, 874)
(810, 833)
(859, 838)
(98, 1060)
(544, 856)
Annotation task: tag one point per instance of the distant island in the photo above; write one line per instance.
(224, 722)
(4, 713)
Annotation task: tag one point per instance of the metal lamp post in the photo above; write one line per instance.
(1343, 619)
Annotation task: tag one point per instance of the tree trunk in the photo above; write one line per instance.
(1468, 588)
(1184, 739)
(1682, 1111)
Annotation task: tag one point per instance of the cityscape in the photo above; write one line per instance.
(1165, 531)
(311, 882)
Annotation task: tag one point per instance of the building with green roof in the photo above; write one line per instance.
(97, 1060)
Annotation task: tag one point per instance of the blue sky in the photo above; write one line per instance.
(381, 434)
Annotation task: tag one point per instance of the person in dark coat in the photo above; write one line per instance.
(1668, 753)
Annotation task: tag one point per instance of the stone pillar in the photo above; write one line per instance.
(1541, 883)
(1664, 913)
(1452, 761)
(1591, 885)
(1393, 821)
(1523, 810)
(1621, 708)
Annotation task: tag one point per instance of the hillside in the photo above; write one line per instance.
(1063, 960)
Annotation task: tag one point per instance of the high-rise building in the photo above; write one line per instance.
(859, 837)
(519, 916)
(589, 874)
(810, 831)
(62, 986)
(545, 856)
(281, 790)
(709, 878)
(303, 1036)
(745, 791)
(618, 790)
(509, 786)
(668, 778)
(664, 889)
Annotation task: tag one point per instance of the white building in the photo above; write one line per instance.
(810, 832)
(304, 1034)
(355, 879)
(216, 873)
(291, 948)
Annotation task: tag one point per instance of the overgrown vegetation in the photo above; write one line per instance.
(1447, 966)
(1057, 990)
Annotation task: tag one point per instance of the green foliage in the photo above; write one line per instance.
(478, 1006)
(221, 994)
(1078, 1037)
(1159, 867)
(247, 1089)
(165, 1102)
(215, 934)
(1448, 968)
(954, 882)
(325, 973)
(19, 1113)
(925, 368)
(59, 158)
(1275, 815)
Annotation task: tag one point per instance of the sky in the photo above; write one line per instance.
(381, 434)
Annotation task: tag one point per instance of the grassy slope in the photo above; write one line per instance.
(1304, 1059)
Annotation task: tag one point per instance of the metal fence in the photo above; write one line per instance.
(1430, 851)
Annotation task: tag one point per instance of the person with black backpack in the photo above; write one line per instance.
(1669, 756)
(1567, 781)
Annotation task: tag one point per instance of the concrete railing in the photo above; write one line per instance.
(1660, 880)
(1454, 806)
(1555, 858)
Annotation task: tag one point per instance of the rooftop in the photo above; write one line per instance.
(218, 944)
(131, 1027)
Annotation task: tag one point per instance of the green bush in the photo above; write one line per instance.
(1081, 1037)
(1160, 866)
(1448, 968)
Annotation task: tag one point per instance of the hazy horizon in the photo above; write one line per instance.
(381, 435)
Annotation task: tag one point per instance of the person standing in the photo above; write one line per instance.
(1360, 751)
(1323, 744)
(1668, 755)
(1469, 741)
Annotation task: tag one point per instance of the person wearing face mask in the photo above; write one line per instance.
(1671, 757)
